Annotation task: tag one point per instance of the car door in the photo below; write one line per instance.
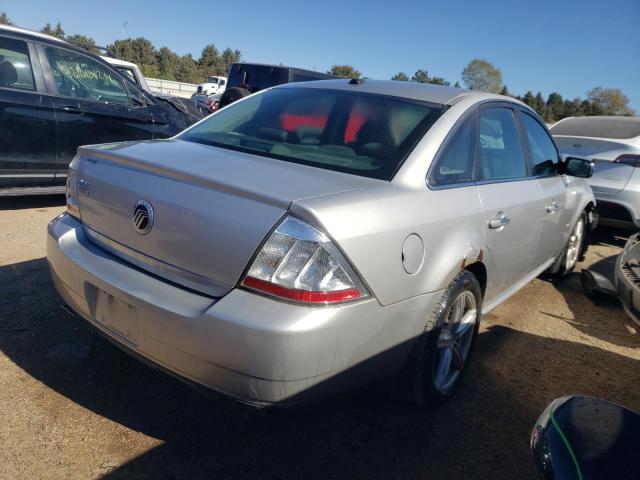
(544, 161)
(27, 119)
(92, 103)
(509, 196)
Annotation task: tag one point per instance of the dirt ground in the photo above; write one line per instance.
(73, 406)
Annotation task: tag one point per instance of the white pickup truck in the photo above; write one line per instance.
(129, 70)
(212, 86)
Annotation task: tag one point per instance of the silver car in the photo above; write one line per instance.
(319, 235)
(613, 143)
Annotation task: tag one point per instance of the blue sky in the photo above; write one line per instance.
(567, 46)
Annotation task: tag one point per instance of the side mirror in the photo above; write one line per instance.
(577, 167)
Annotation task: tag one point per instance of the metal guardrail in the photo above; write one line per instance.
(170, 87)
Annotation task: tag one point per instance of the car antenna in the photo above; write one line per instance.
(356, 81)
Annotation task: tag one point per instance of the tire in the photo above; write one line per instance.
(574, 250)
(232, 94)
(428, 385)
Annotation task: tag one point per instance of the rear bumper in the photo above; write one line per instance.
(627, 284)
(619, 209)
(253, 348)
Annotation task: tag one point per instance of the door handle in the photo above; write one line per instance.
(553, 207)
(500, 222)
(71, 109)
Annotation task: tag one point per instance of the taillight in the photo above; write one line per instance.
(72, 191)
(300, 263)
(628, 159)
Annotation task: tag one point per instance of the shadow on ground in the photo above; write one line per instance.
(369, 433)
(608, 322)
(34, 201)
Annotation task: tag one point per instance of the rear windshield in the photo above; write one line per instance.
(599, 127)
(362, 134)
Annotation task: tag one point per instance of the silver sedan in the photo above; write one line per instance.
(613, 144)
(320, 235)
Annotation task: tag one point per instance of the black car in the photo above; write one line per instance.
(247, 78)
(55, 96)
(580, 437)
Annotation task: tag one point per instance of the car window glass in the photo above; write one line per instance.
(15, 65)
(500, 146)
(542, 151)
(127, 72)
(456, 163)
(362, 134)
(79, 76)
(306, 117)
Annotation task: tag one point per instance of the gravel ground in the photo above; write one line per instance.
(74, 406)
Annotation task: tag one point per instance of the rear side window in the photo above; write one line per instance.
(81, 77)
(501, 151)
(542, 151)
(15, 65)
(456, 162)
(362, 134)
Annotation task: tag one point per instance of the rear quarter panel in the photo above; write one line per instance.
(371, 226)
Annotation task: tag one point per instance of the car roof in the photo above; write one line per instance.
(598, 127)
(411, 90)
(32, 33)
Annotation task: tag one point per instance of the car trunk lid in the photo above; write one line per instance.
(608, 177)
(212, 207)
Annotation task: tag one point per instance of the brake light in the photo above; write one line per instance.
(71, 193)
(300, 263)
(629, 159)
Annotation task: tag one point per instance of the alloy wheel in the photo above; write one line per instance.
(454, 341)
(575, 245)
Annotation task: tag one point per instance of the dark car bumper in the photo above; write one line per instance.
(627, 277)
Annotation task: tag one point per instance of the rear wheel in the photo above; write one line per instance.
(440, 356)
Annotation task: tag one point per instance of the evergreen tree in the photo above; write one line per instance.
(539, 105)
(229, 57)
(400, 76)
(83, 41)
(529, 99)
(344, 71)
(56, 32)
(554, 108)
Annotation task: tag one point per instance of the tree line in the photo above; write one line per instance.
(479, 74)
(483, 76)
(155, 63)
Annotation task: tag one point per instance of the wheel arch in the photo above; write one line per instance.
(479, 270)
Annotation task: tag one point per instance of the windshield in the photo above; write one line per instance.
(367, 135)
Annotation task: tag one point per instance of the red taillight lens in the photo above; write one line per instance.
(628, 159)
(72, 190)
(300, 263)
(301, 295)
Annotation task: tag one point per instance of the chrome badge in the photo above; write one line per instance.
(142, 217)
